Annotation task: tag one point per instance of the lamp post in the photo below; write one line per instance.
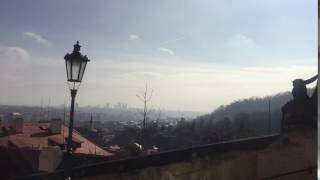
(75, 66)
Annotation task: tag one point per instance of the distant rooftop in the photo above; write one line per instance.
(36, 136)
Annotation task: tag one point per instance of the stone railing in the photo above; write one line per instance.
(289, 156)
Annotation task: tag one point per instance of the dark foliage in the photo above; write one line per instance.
(240, 119)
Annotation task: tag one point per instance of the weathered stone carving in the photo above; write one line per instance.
(301, 111)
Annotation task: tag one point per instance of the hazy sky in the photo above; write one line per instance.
(194, 54)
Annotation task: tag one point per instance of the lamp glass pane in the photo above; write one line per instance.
(68, 67)
(75, 69)
(83, 67)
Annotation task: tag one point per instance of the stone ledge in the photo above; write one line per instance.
(160, 159)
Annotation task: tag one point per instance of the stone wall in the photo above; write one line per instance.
(293, 156)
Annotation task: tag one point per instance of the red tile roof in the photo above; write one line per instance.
(34, 137)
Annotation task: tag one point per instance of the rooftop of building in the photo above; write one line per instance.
(36, 136)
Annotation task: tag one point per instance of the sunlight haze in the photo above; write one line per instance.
(195, 55)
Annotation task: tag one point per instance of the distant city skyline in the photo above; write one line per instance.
(195, 55)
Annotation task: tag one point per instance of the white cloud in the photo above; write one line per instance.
(36, 37)
(242, 48)
(188, 86)
(13, 53)
(133, 37)
(166, 51)
(241, 41)
(25, 79)
(174, 40)
(178, 85)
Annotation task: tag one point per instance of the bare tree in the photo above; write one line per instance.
(145, 97)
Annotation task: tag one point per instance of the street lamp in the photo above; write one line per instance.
(75, 65)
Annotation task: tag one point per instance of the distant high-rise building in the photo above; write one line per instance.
(91, 122)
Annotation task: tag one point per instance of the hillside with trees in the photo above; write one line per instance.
(255, 116)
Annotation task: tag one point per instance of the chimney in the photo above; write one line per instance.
(18, 125)
(49, 159)
(56, 126)
(17, 122)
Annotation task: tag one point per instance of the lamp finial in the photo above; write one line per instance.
(76, 47)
